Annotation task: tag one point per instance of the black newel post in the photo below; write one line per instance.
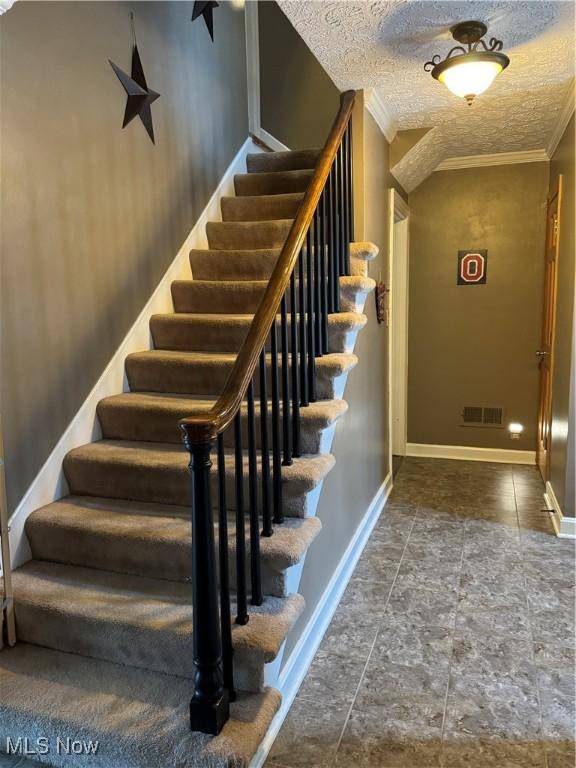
(209, 707)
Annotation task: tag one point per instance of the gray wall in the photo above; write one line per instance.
(298, 100)
(475, 345)
(562, 458)
(361, 441)
(92, 215)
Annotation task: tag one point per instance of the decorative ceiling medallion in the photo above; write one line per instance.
(469, 71)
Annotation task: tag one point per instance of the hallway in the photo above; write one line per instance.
(453, 643)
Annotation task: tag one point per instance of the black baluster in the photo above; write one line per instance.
(324, 271)
(335, 240)
(294, 369)
(276, 452)
(337, 205)
(311, 367)
(317, 285)
(287, 460)
(210, 704)
(346, 193)
(343, 209)
(225, 618)
(351, 181)
(302, 329)
(255, 569)
(267, 529)
(241, 599)
(330, 241)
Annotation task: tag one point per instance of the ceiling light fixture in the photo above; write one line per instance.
(469, 72)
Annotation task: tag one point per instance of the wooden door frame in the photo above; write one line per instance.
(553, 289)
(398, 262)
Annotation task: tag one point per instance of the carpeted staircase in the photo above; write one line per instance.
(103, 609)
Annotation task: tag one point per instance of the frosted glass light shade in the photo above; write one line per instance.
(470, 78)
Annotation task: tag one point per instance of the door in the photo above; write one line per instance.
(545, 353)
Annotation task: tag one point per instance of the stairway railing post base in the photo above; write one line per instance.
(210, 716)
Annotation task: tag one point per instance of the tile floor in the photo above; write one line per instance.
(453, 645)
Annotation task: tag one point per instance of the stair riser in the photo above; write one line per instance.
(168, 560)
(260, 207)
(167, 650)
(120, 423)
(263, 162)
(190, 296)
(271, 183)
(206, 378)
(164, 484)
(171, 333)
(247, 235)
(254, 265)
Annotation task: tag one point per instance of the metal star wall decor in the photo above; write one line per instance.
(205, 9)
(140, 97)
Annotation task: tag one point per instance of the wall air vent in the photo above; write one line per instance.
(472, 414)
(479, 416)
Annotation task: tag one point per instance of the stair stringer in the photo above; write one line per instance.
(360, 254)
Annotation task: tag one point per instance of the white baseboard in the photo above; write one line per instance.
(465, 452)
(50, 483)
(565, 527)
(269, 140)
(297, 664)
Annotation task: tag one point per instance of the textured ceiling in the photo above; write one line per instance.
(383, 45)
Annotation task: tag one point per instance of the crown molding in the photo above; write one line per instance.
(500, 158)
(563, 119)
(375, 106)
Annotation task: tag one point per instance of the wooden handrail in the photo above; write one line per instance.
(205, 426)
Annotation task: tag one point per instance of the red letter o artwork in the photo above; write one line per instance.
(471, 268)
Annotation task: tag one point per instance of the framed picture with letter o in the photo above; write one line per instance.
(472, 266)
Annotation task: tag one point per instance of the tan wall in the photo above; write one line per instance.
(561, 458)
(298, 100)
(475, 345)
(361, 442)
(92, 215)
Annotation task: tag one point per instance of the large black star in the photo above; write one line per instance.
(205, 9)
(140, 97)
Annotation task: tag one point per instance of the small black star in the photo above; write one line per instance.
(140, 97)
(205, 9)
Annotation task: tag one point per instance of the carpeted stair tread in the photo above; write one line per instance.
(244, 297)
(272, 183)
(132, 620)
(154, 417)
(237, 264)
(364, 250)
(144, 539)
(260, 207)
(256, 263)
(287, 160)
(200, 332)
(205, 373)
(158, 472)
(217, 295)
(245, 235)
(139, 718)
(353, 292)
